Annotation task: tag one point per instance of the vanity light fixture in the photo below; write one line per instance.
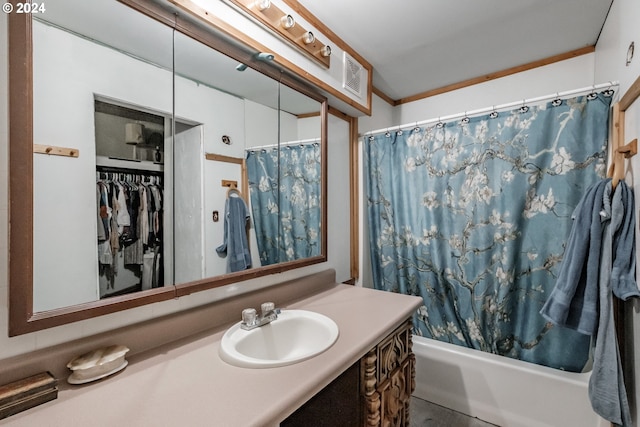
(287, 22)
(263, 4)
(308, 38)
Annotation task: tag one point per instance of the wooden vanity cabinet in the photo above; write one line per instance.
(375, 391)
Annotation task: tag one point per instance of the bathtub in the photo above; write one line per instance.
(501, 390)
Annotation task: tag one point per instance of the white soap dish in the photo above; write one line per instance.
(97, 364)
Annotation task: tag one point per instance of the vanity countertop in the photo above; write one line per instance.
(186, 382)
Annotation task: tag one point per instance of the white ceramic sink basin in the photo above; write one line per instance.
(296, 335)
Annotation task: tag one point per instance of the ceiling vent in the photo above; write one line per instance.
(352, 78)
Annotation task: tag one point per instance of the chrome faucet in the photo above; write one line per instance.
(251, 320)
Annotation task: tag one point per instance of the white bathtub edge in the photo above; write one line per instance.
(500, 390)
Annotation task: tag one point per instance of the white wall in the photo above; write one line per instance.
(557, 77)
(339, 252)
(338, 199)
(382, 115)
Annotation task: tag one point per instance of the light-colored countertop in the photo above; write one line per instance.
(186, 382)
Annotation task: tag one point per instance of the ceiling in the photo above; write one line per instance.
(418, 45)
(414, 46)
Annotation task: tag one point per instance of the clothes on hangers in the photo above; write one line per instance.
(129, 219)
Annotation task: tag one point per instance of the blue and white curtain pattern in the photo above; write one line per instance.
(284, 185)
(474, 219)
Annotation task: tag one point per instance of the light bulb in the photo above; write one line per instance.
(263, 4)
(326, 51)
(287, 21)
(308, 38)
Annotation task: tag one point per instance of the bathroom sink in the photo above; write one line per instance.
(296, 335)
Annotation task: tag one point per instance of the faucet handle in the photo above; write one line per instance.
(267, 307)
(249, 316)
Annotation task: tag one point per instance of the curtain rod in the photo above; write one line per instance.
(302, 141)
(509, 105)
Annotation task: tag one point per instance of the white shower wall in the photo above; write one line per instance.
(561, 76)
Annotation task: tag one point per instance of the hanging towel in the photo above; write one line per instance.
(235, 245)
(599, 261)
(606, 386)
(573, 303)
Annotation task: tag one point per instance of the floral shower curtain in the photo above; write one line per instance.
(473, 217)
(284, 185)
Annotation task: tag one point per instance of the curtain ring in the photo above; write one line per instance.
(593, 95)
(524, 108)
(557, 101)
(417, 128)
(608, 92)
(465, 119)
(387, 134)
(439, 125)
(493, 113)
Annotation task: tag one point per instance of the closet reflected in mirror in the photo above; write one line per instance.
(163, 127)
(130, 198)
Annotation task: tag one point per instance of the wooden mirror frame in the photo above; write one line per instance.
(22, 319)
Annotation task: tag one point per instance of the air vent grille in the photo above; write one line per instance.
(352, 75)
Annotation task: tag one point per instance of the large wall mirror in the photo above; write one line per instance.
(160, 165)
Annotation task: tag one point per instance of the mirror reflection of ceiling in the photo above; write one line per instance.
(113, 24)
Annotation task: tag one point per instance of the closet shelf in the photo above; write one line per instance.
(129, 164)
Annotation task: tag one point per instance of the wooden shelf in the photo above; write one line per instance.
(55, 151)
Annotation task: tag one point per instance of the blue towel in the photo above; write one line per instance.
(235, 245)
(573, 303)
(623, 272)
(607, 391)
(599, 261)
